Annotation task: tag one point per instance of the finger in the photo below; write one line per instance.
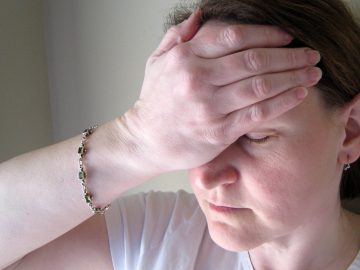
(216, 39)
(242, 121)
(180, 33)
(245, 64)
(250, 91)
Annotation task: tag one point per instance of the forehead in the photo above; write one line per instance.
(310, 114)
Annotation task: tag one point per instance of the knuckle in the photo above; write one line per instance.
(261, 87)
(256, 60)
(191, 81)
(294, 77)
(186, 67)
(232, 36)
(216, 135)
(285, 102)
(174, 31)
(291, 57)
(180, 53)
(198, 73)
(257, 113)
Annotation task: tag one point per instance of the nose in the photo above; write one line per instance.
(209, 176)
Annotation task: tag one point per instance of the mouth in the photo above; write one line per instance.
(223, 209)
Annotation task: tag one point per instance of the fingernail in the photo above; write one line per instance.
(314, 74)
(313, 56)
(301, 93)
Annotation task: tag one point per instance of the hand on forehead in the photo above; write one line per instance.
(216, 39)
(229, 46)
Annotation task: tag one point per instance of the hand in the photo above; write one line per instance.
(203, 89)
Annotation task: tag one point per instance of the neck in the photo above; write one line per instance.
(331, 241)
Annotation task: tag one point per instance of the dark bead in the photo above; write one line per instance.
(81, 150)
(82, 175)
(88, 198)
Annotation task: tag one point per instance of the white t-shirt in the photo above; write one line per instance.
(168, 231)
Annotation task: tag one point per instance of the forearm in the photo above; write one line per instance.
(40, 194)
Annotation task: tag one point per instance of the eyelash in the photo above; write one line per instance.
(258, 141)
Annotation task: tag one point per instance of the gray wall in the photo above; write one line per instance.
(25, 120)
(96, 56)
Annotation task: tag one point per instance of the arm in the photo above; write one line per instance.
(188, 108)
(84, 247)
(41, 197)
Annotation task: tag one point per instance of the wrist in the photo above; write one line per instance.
(115, 162)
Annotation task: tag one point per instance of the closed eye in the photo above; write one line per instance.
(257, 140)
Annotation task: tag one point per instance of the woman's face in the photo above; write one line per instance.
(282, 176)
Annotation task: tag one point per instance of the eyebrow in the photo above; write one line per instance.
(271, 126)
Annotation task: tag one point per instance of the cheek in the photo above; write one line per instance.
(281, 179)
(292, 182)
(272, 188)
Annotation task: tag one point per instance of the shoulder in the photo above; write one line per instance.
(146, 226)
(133, 217)
(153, 210)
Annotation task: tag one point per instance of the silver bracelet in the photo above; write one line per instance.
(82, 174)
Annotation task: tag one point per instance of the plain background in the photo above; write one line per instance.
(25, 116)
(68, 64)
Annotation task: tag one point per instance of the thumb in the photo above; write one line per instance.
(180, 33)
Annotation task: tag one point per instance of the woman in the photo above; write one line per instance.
(267, 137)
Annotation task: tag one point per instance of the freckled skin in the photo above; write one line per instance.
(286, 182)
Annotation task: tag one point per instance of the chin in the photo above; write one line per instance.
(233, 239)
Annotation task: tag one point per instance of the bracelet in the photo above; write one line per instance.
(82, 174)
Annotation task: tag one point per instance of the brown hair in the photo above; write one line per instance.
(324, 25)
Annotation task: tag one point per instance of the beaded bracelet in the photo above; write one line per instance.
(82, 174)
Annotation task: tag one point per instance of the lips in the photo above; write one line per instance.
(223, 209)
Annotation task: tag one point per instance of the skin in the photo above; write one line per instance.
(281, 195)
(204, 110)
